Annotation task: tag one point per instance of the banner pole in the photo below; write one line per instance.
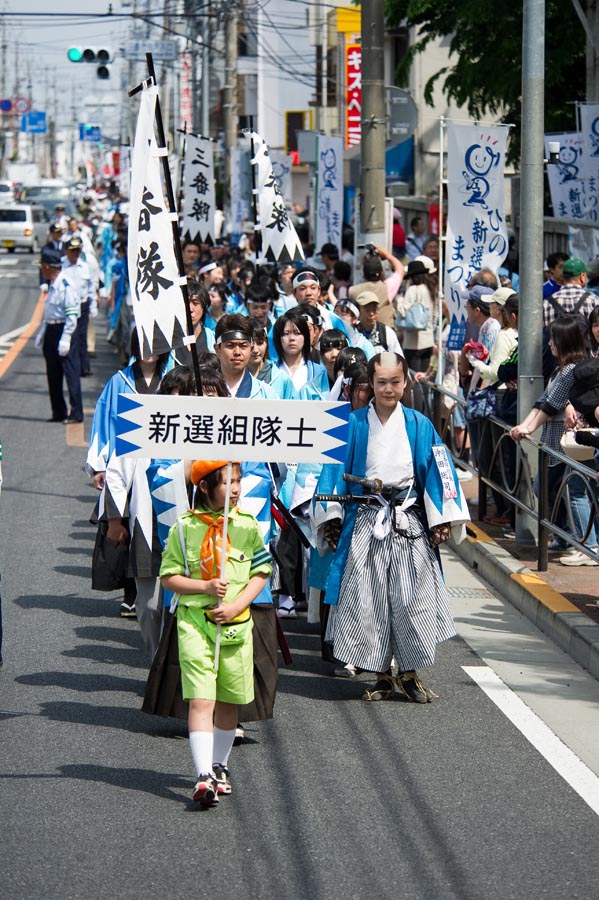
(175, 226)
(223, 561)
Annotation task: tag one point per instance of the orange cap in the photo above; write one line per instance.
(202, 467)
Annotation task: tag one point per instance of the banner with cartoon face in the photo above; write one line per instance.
(329, 191)
(476, 230)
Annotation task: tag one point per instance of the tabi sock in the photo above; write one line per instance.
(286, 601)
(223, 743)
(201, 743)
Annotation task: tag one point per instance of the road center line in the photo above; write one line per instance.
(561, 758)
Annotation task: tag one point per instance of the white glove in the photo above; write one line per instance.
(64, 345)
(103, 293)
(44, 288)
(93, 309)
(39, 338)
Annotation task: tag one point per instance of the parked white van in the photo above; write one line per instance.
(23, 225)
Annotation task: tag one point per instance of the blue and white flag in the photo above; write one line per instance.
(476, 230)
(567, 178)
(172, 427)
(329, 191)
(199, 203)
(154, 278)
(589, 167)
(279, 240)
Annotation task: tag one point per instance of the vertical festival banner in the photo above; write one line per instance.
(567, 178)
(279, 240)
(589, 138)
(329, 191)
(281, 166)
(197, 215)
(476, 231)
(353, 95)
(154, 277)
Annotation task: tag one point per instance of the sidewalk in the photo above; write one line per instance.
(561, 601)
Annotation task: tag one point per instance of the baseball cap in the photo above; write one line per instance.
(501, 295)
(574, 266)
(51, 258)
(367, 297)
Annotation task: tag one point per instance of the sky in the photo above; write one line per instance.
(43, 41)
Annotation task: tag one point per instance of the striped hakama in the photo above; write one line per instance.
(393, 601)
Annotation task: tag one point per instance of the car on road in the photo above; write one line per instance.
(7, 192)
(48, 195)
(23, 225)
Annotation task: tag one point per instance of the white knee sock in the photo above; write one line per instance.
(223, 743)
(201, 744)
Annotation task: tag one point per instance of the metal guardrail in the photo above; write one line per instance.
(518, 489)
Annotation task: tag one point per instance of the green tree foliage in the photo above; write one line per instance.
(484, 72)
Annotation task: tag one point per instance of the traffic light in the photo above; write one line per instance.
(102, 58)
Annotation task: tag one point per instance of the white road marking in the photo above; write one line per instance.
(561, 758)
(8, 261)
(11, 335)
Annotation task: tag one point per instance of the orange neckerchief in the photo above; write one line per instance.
(212, 545)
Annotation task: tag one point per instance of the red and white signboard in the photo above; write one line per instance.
(186, 101)
(353, 95)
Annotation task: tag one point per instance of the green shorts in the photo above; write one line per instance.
(234, 682)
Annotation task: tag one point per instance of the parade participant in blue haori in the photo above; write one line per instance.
(385, 585)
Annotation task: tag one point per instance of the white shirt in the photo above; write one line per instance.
(389, 455)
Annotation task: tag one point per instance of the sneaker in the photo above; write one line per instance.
(464, 475)
(205, 791)
(554, 545)
(411, 686)
(128, 611)
(579, 559)
(221, 776)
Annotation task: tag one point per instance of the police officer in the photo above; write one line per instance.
(58, 338)
(78, 271)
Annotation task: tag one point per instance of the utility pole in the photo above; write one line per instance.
(530, 333)
(192, 37)
(230, 96)
(372, 215)
(3, 93)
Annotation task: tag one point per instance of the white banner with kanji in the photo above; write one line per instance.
(588, 161)
(154, 277)
(171, 427)
(279, 240)
(329, 191)
(476, 230)
(281, 166)
(567, 178)
(197, 215)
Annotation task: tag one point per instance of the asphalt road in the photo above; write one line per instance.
(334, 799)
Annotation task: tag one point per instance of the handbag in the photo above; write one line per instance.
(109, 562)
(481, 403)
(416, 318)
(572, 449)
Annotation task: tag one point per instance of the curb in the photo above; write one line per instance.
(549, 610)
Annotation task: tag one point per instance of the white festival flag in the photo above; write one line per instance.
(567, 178)
(329, 191)
(169, 427)
(241, 189)
(589, 169)
(476, 231)
(197, 216)
(280, 243)
(281, 166)
(154, 277)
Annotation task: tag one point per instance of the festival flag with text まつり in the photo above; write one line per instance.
(197, 215)
(279, 242)
(476, 230)
(154, 277)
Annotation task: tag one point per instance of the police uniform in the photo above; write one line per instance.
(79, 273)
(60, 323)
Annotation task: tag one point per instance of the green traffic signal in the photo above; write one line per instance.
(75, 54)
